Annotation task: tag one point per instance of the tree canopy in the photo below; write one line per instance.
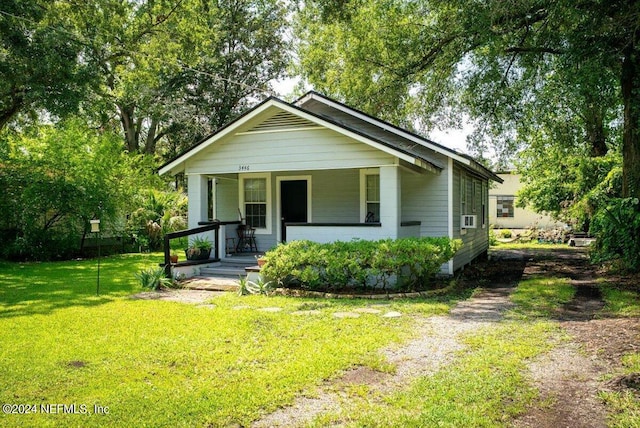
(517, 67)
(57, 178)
(164, 73)
(39, 60)
(94, 93)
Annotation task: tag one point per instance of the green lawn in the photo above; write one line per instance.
(126, 362)
(154, 363)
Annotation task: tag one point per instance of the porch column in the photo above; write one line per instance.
(198, 199)
(390, 200)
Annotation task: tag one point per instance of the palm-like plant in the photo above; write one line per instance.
(159, 213)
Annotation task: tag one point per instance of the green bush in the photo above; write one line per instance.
(406, 263)
(154, 279)
(505, 234)
(617, 229)
(493, 238)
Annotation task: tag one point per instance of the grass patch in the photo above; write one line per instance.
(43, 288)
(619, 302)
(624, 406)
(533, 244)
(484, 387)
(157, 363)
(540, 297)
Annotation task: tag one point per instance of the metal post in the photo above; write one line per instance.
(95, 228)
(98, 282)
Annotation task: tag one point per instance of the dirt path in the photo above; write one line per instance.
(571, 375)
(434, 348)
(568, 377)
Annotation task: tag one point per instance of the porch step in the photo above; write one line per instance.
(241, 260)
(231, 268)
(223, 271)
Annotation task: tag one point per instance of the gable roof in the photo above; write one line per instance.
(358, 125)
(390, 132)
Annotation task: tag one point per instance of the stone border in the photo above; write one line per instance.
(294, 292)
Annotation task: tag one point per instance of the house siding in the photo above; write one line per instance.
(299, 150)
(226, 200)
(330, 205)
(424, 199)
(475, 241)
(335, 198)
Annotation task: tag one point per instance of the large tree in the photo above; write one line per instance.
(162, 72)
(56, 178)
(494, 58)
(175, 70)
(40, 66)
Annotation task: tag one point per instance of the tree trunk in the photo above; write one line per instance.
(17, 102)
(150, 144)
(595, 132)
(129, 128)
(630, 82)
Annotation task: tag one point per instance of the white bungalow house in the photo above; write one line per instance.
(317, 169)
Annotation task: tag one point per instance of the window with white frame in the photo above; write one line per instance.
(370, 195)
(255, 200)
(505, 206)
(485, 198)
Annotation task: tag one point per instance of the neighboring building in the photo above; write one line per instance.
(503, 213)
(317, 169)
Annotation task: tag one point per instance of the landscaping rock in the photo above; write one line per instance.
(392, 314)
(271, 309)
(346, 315)
(367, 311)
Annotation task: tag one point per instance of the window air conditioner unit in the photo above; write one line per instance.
(468, 222)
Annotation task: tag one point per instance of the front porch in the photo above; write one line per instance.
(317, 205)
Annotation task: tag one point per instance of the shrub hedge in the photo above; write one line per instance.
(403, 264)
(617, 228)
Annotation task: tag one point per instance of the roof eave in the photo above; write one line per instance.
(461, 158)
(178, 164)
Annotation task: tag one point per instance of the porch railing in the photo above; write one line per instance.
(204, 227)
(328, 232)
(188, 232)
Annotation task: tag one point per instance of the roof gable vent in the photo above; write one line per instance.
(283, 121)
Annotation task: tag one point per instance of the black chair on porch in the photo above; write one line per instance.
(246, 239)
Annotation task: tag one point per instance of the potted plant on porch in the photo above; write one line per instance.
(261, 260)
(199, 249)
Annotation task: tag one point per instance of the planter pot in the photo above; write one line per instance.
(261, 262)
(173, 259)
(195, 254)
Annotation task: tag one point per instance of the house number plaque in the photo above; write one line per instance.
(243, 168)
